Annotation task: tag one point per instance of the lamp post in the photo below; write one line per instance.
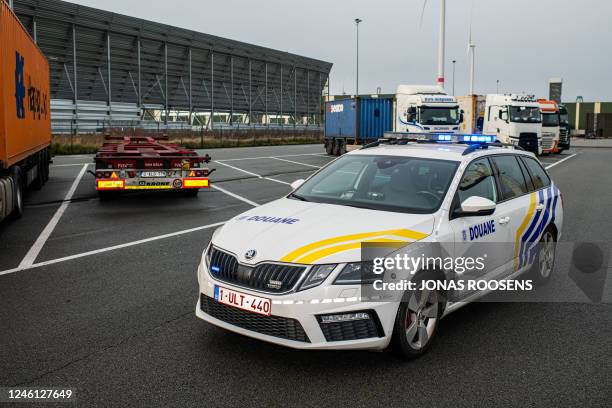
(357, 21)
(497, 86)
(454, 61)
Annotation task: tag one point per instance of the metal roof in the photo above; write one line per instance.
(161, 65)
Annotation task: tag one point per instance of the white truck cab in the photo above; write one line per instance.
(514, 119)
(551, 126)
(426, 108)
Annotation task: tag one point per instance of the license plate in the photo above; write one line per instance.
(153, 174)
(254, 304)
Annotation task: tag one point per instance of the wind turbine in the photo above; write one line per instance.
(441, 39)
(472, 53)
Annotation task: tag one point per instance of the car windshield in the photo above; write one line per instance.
(564, 119)
(525, 114)
(550, 119)
(439, 116)
(384, 183)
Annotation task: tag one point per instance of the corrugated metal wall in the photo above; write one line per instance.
(375, 117)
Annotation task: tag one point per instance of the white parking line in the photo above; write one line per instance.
(251, 173)
(295, 162)
(560, 161)
(24, 265)
(272, 157)
(30, 257)
(229, 193)
(111, 248)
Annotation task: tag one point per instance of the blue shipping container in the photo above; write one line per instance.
(367, 118)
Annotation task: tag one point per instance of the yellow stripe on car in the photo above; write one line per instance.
(523, 226)
(322, 253)
(300, 252)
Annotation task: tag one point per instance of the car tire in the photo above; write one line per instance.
(544, 262)
(329, 147)
(416, 322)
(17, 193)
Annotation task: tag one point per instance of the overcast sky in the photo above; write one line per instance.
(523, 43)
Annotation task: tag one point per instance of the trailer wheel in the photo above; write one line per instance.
(17, 193)
(337, 147)
(191, 192)
(105, 195)
(329, 147)
(342, 148)
(40, 171)
(46, 164)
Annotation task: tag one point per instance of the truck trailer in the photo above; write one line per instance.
(25, 116)
(353, 122)
(146, 163)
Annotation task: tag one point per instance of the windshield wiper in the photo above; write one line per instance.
(365, 207)
(298, 197)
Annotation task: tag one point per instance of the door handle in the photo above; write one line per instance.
(539, 207)
(504, 220)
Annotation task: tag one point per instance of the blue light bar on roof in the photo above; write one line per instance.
(477, 138)
(442, 137)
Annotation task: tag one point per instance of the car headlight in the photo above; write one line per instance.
(317, 275)
(356, 273)
(208, 253)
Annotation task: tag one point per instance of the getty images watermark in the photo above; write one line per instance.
(507, 272)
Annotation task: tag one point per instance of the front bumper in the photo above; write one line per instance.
(299, 311)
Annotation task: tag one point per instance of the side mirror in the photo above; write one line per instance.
(476, 205)
(503, 115)
(297, 183)
(461, 117)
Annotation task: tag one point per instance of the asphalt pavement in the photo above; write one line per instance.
(106, 306)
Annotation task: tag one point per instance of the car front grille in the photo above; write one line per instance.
(529, 142)
(276, 326)
(265, 277)
(352, 329)
(564, 135)
(547, 140)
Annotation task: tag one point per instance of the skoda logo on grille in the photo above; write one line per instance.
(250, 254)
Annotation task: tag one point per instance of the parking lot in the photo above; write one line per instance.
(100, 296)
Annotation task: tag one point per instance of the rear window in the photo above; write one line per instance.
(538, 175)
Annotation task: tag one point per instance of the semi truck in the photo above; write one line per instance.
(514, 119)
(564, 131)
(350, 123)
(550, 126)
(25, 117)
(425, 108)
(145, 163)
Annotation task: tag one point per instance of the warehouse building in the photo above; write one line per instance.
(111, 70)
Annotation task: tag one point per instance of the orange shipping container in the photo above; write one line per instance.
(25, 99)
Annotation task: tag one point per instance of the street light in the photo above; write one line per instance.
(357, 21)
(497, 86)
(454, 61)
